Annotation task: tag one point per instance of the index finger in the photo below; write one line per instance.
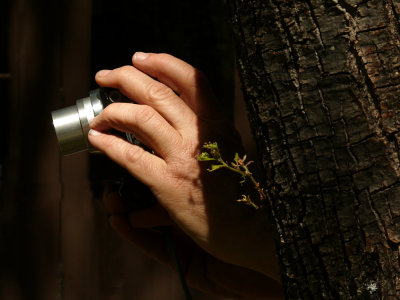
(189, 82)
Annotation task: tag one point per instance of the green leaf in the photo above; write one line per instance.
(236, 157)
(215, 167)
(211, 146)
(204, 156)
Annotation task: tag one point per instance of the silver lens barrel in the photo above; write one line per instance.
(72, 123)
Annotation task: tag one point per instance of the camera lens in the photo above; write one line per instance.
(72, 123)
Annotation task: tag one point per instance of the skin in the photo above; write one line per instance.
(225, 247)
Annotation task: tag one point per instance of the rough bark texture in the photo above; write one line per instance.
(321, 81)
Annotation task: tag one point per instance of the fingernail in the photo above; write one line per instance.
(102, 73)
(94, 132)
(138, 56)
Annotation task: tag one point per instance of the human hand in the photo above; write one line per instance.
(201, 270)
(174, 116)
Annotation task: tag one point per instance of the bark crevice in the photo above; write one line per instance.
(320, 83)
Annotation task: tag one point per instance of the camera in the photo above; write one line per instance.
(72, 123)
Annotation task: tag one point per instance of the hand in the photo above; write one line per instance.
(174, 116)
(201, 269)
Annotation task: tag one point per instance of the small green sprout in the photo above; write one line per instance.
(239, 165)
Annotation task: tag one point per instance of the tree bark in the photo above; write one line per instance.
(321, 83)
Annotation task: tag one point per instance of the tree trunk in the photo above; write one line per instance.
(321, 83)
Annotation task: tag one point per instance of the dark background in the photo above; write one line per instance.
(55, 241)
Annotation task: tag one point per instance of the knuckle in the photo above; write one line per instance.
(144, 114)
(121, 75)
(195, 77)
(124, 71)
(133, 155)
(157, 91)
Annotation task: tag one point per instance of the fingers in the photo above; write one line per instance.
(143, 89)
(146, 167)
(141, 120)
(191, 85)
